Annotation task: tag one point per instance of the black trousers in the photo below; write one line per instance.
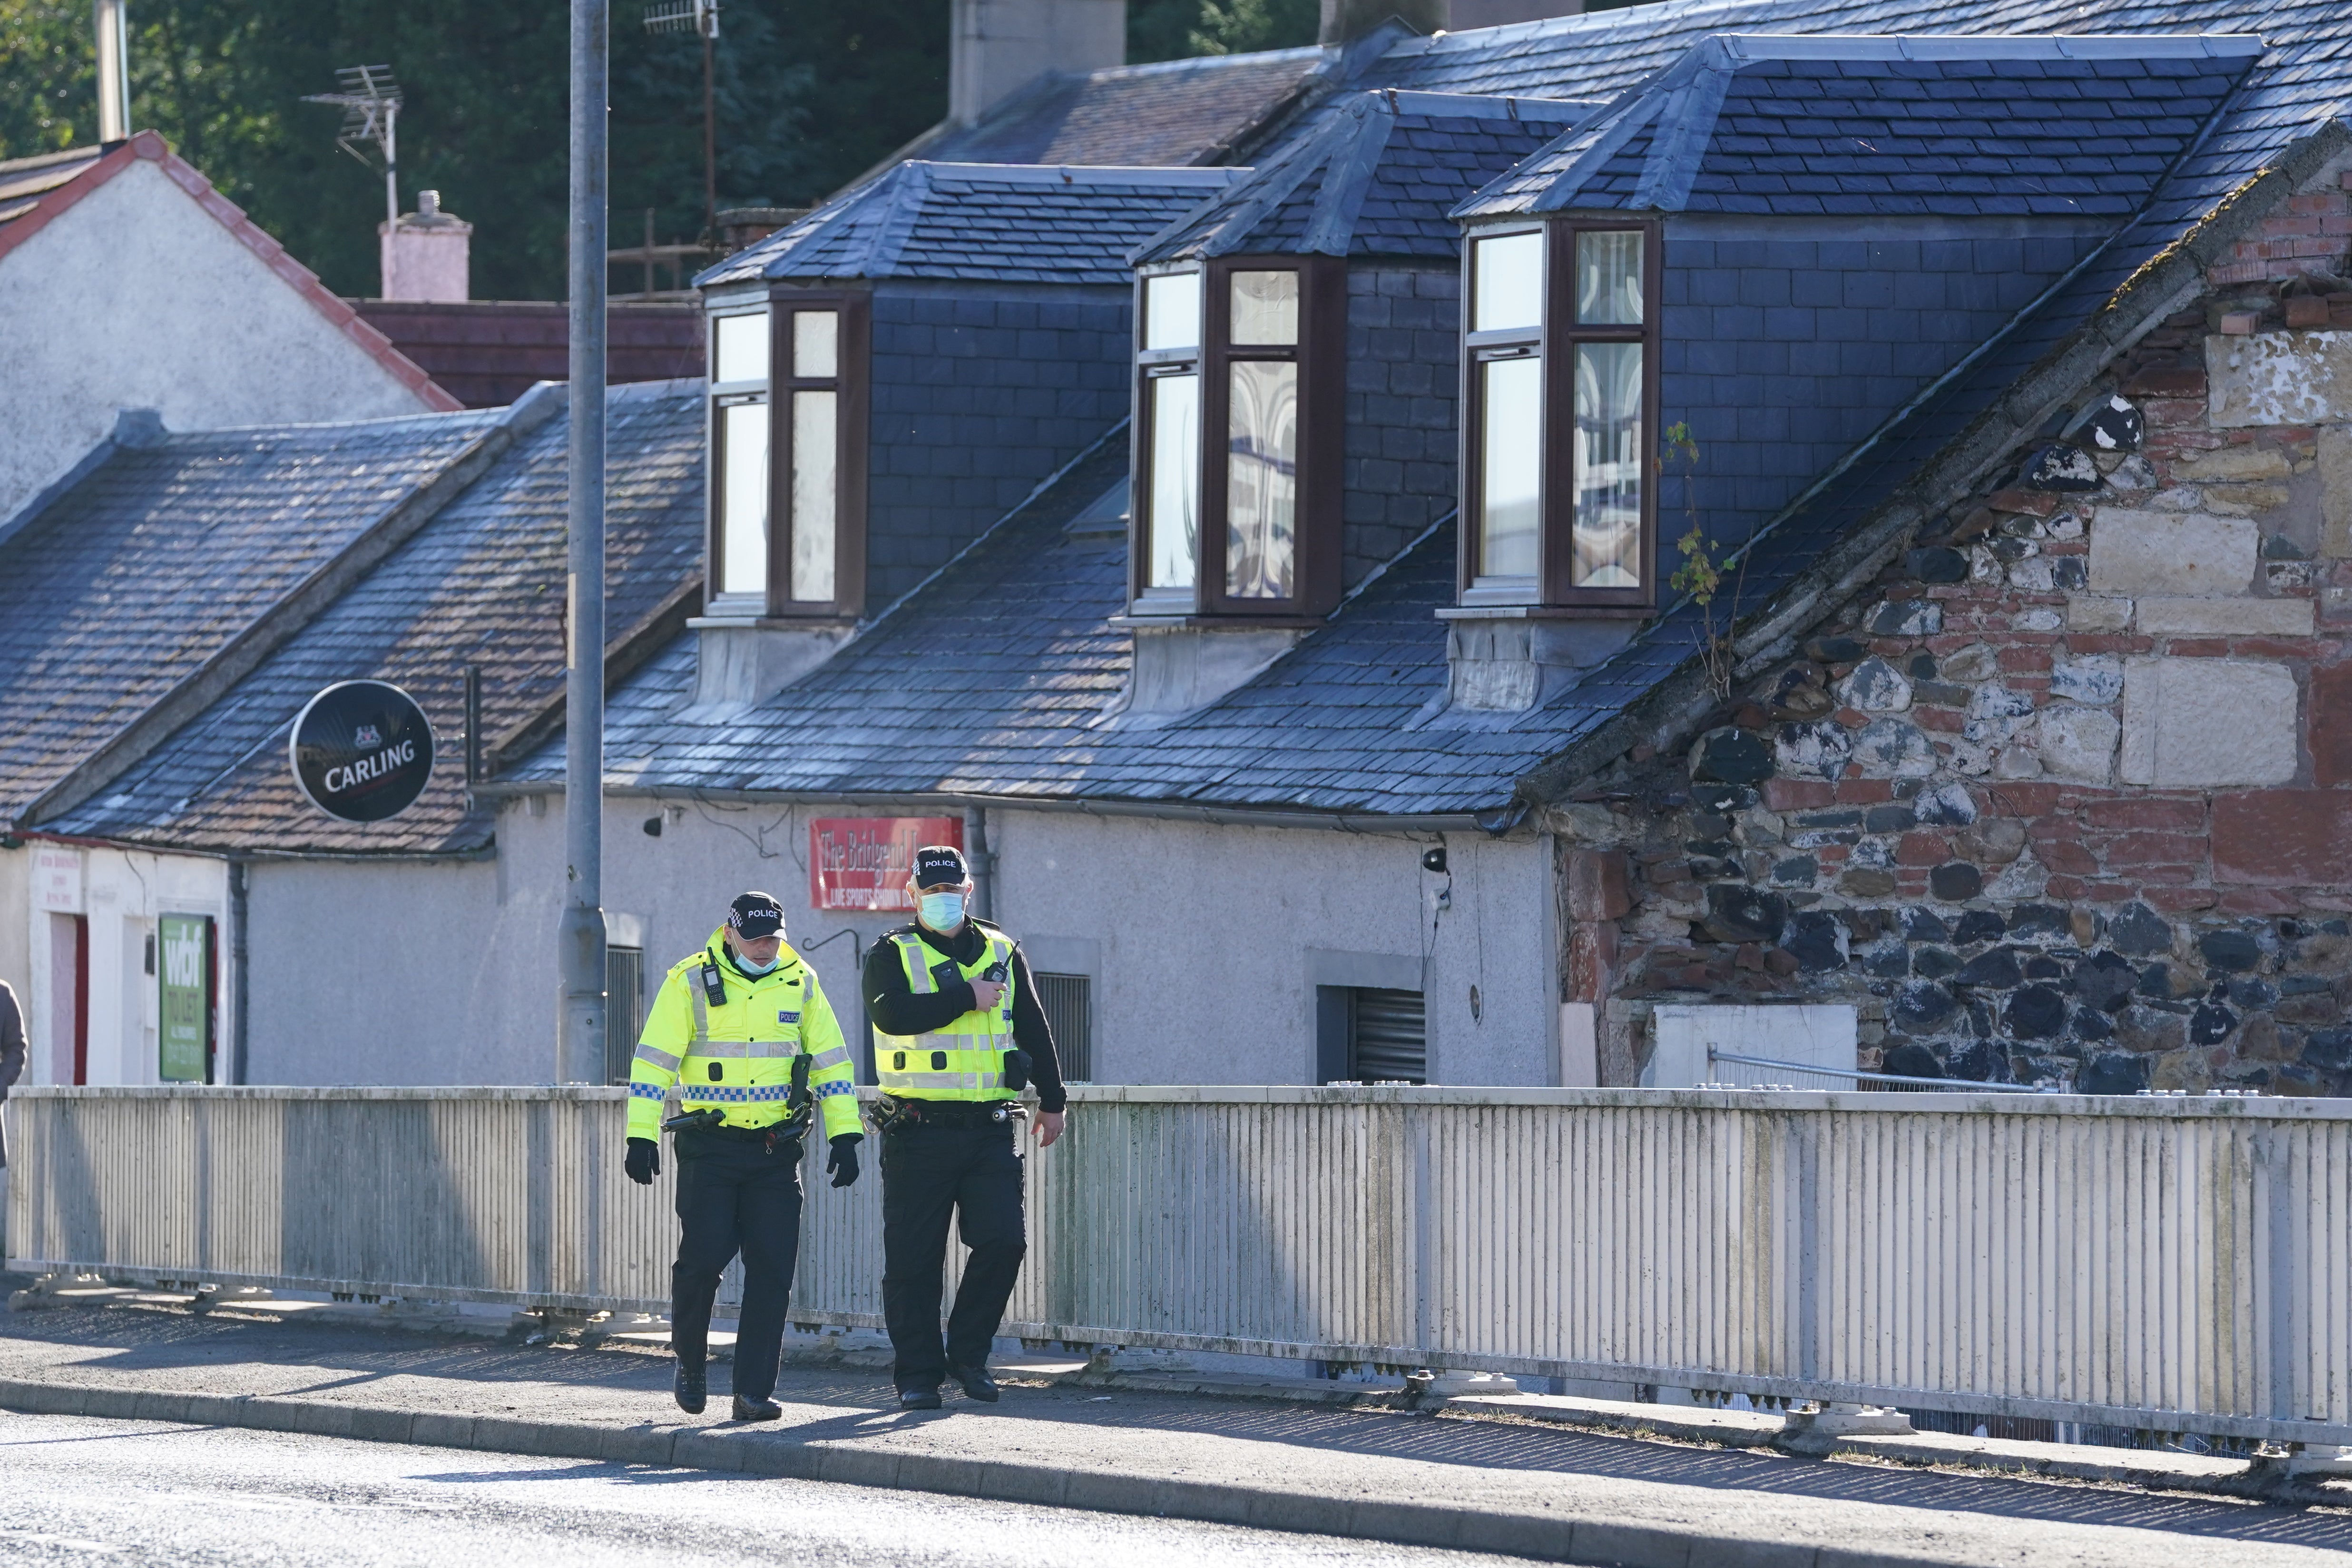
(929, 1173)
(733, 1196)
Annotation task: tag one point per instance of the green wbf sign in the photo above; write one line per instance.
(185, 971)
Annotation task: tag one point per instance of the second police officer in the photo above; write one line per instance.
(958, 1032)
(746, 1034)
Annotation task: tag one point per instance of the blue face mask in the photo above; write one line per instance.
(748, 967)
(941, 911)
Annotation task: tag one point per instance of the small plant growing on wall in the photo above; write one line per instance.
(1704, 561)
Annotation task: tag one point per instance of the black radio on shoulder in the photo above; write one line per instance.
(714, 985)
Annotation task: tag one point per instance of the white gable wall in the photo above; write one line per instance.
(136, 296)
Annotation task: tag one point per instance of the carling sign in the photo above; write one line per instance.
(862, 862)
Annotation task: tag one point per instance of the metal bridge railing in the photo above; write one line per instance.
(1805, 1073)
(2177, 1263)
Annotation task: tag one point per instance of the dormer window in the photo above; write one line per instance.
(1237, 444)
(1562, 395)
(788, 456)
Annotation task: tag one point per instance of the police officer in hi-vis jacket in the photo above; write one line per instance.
(743, 1030)
(958, 1033)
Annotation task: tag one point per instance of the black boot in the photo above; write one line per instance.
(977, 1384)
(757, 1409)
(692, 1387)
(918, 1399)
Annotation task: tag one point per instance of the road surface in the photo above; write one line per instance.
(87, 1491)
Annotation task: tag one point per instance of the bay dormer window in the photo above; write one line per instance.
(1237, 438)
(788, 450)
(1560, 394)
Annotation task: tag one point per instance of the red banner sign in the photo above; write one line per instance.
(862, 862)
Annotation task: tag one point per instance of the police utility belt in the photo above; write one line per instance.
(892, 1114)
(712, 1120)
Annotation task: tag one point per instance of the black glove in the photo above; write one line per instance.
(645, 1160)
(842, 1163)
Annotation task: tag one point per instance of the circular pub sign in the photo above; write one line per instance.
(363, 751)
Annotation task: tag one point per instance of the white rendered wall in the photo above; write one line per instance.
(1205, 944)
(17, 922)
(135, 297)
(123, 892)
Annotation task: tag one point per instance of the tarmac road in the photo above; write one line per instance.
(90, 1491)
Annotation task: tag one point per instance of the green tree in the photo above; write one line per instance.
(810, 94)
(1176, 29)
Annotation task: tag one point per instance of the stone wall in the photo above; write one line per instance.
(2066, 794)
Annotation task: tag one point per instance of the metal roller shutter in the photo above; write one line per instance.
(1388, 1036)
(1068, 1003)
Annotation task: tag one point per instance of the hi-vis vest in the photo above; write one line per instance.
(964, 1060)
(738, 1056)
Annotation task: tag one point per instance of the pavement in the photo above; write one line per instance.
(1493, 1482)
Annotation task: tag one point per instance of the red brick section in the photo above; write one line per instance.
(2331, 725)
(2283, 838)
(490, 352)
(2312, 233)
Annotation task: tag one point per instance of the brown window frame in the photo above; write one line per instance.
(1556, 338)
(851, 384)
(715, 545)
(1320, 354)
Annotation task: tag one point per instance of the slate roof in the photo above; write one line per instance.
(1379, 176)
(1951, 126)
(995, 679)
(129, 582)
(25, 181)
(481, 583)
(980, 222)
(1173, 112)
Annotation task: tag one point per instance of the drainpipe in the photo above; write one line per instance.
(239, 1009)
(113, 72)
(983, 860)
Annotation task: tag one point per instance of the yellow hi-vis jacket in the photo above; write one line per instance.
(964, 1060)
(738, 1058)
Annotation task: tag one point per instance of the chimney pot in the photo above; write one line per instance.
(427, 255)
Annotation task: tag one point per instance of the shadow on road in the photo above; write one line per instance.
(120, 1344)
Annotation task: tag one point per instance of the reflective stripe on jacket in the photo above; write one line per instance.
(738, 1056)
(965, 1060)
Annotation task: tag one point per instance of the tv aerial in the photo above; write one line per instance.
(370, 100)
(699, 17)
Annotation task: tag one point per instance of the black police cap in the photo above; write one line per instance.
(755, 915)
(940, 866)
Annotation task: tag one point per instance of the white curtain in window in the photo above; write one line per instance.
(1262, 479)
(743, 497)
(1609, 277)
(1608, 527)
(1173, 522)
(813, 488)
(1510, 466)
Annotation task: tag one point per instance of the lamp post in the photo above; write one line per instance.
(580, 939)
